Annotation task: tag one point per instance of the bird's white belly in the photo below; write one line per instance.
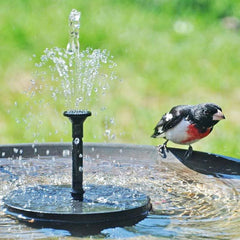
(179, 133)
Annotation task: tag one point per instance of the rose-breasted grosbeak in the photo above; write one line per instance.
(186, 124)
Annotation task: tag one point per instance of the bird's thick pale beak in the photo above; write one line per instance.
(218, 116)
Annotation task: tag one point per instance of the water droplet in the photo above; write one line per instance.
(113, 136)
(80, 169)
(15, 150)
(80, 155)
(65, 153)
(107, 132)
(54, 96)
(112, 120)
(47, 152)
(78, 100)
(33, 81)
(3, 154)
(76, 141)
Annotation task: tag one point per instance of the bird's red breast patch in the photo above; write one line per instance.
(194, 134)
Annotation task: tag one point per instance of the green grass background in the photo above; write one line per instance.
(158, 64)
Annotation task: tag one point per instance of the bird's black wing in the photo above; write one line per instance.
(171, 119)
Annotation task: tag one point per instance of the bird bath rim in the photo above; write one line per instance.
(26, 150)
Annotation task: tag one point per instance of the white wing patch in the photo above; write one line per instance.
(168, 116)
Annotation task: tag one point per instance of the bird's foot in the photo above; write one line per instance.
(188, 153)
(162, 149)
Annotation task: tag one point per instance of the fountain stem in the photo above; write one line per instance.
(77, 118)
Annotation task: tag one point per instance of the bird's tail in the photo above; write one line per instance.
(155, 134)
(158, 133)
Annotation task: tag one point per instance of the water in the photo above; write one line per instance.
(186, 204)
(64, 79)
(78, 77)
(74, 25)
(58, 200)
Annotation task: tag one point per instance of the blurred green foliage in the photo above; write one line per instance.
(167, 52)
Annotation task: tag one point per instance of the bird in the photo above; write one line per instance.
(187, 124)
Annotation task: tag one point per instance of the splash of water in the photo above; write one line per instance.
(81, 75)
(68, 79)
(74, 25)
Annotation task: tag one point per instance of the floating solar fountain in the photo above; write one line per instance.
(89, 209)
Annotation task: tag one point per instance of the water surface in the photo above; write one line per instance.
(186, 204)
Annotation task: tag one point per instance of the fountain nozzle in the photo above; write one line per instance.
(77, 117)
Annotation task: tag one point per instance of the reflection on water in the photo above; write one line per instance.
(186, 204)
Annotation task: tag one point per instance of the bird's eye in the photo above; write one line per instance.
(207, 112)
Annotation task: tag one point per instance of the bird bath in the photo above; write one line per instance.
(195, 199)
(192, 199)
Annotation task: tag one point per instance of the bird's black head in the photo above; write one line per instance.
(208, 114)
